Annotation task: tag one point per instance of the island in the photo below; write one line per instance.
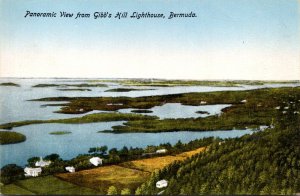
(11, 137)
(60, 132)
(9, 84)
(127, 89)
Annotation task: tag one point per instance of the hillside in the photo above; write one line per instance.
(266, 162)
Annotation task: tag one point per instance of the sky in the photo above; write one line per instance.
(229, 39)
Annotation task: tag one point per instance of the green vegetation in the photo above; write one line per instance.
(48, 185)
(141, 111)
(45, 85)
(74, 89)
(265, 162)
(60, 132)
(69, 85)
(12, 189)
(112, 190)
(127, 89)
(202, 112)
(10, 137)
(10, 173)
(9, 84)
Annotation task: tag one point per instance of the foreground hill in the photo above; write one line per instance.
(266, 162)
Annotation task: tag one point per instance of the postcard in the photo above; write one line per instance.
(137, 97)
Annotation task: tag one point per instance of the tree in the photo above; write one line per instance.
(92, 150)
(52, 157)
(126, 191)
(10, 173)
(113, 151)
(31, 161)
(112, 191)
(103, 149)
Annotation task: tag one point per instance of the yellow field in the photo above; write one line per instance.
(130, 174)
(102, 178)
(151, 164)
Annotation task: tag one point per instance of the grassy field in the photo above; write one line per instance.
(103, 177)
(155, 163)
(48, 185)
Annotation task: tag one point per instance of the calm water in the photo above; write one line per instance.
(15, 107)
(176, 110)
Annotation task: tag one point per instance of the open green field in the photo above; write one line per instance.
(48, 185)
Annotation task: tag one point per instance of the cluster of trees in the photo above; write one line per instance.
(266, 162)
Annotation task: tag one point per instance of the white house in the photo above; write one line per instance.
(161, 184)
(42, 163)
(161, 151)
(203, 102)
(244, 101)
(70, 169)
(29, 171)
(96, 161)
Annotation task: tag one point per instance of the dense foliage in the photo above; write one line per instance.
(10, 173)
(10, 137)
(266, 162)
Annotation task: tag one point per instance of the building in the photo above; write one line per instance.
(70, 169)
(42, 163)
(161, 151)
(161, 184)
(244, 101)
(29, 171)
(96, 161)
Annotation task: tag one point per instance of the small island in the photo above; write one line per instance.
(141, 111)
(74, 89)
(11, 137)
(60, 132)
(202, 112)
(127, 89)
(9, 84)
